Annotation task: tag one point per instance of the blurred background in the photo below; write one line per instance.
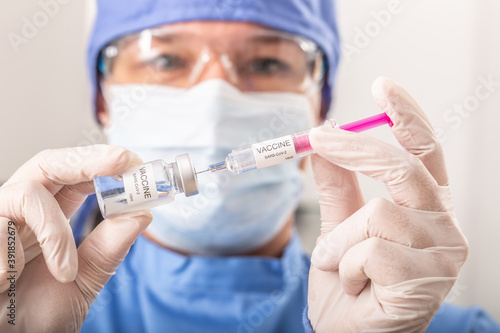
(446, 53)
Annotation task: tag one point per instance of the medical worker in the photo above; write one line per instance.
(204, 77)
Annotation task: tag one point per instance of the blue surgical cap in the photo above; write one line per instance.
(313, 19)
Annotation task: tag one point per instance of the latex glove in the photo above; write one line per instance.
(55, 282)
(383, 266)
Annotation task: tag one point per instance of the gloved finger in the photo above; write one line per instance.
(11, 254)
(55, 168)
(338, 190)
(106, 247)
(30, 204)
(71, 197)
(387, 263)
(406, 178)
(386, 220)
(411, 127)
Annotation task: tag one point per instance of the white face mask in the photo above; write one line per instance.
(233, 214)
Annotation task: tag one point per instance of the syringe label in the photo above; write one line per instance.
(139, 183)
(274, 151)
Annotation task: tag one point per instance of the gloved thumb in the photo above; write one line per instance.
(105, 248)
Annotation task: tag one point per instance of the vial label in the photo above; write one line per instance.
(274, 151)
(139, 183)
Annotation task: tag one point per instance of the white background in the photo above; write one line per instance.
(437, 49)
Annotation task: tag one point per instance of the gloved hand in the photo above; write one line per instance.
(55, 283)
(383, 266)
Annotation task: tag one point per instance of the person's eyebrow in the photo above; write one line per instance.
(169, 38)
(268, 39)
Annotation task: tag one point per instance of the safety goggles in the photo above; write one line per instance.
(263, 60)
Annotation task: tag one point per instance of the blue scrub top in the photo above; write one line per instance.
(156, 290)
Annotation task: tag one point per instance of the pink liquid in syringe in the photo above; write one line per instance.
(302, 144)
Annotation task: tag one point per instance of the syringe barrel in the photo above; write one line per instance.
(271, 152)
(289, 147)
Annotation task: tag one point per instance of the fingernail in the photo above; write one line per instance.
(136, 159)
(319, 255)
(67, 273)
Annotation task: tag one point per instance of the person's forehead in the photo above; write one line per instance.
(215, 29)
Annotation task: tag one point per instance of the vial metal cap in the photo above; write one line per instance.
(187, 175)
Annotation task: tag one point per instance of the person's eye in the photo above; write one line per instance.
(167, 62)
(269, 66)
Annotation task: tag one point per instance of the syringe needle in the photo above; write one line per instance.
(215, 167)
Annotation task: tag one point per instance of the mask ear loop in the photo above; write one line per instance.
(105, 91)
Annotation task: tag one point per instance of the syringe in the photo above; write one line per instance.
(285, 148)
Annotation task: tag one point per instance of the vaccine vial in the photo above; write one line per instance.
(145, 186)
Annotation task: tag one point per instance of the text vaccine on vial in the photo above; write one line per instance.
(146, 186)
